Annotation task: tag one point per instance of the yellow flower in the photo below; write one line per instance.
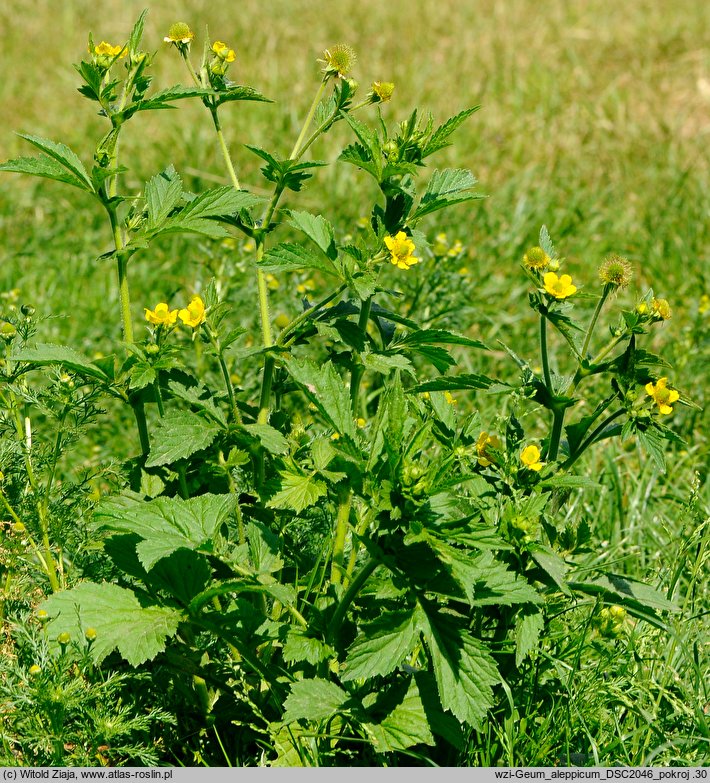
(530, 457)
(179, 33)
(662, 395)
(401, 250)
(661, 310)
(106, 50)
(485, 445)
(194, 314)
(224, 52)
(559, 287)
(360, 422)
(536, 258)
(282, 321)
(162, 315)
(305, 286)
(464, 271)
(455, 249)
(90, 635)
(449, 397)
(34, 670)
(271, 281)
(704, 304)
(382, 91)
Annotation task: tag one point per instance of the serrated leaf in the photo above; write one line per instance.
(164, 98)
(64, 156)
(464, 669)
(199, 215)
(441, 337)
(552, 564)
(47, 354)
(239, 92)
(298, 492)
(440, 137)
(326, 390)
(43, 166)
(178, 435)
(269, 437)
(298, 647)
(382, 645)
(183, 574)
(137, 632)
(360, 157)
(288, 256)
(405, 726)
(454, 383)
(162, 194)
(166, 524)
(313, 700)
(546, 242)
(528, 627)
(385, 363)
(263, 548)
(627, 591)
(316, 228)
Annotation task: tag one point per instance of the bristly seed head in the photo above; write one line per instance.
(339, 60)
(615, 271)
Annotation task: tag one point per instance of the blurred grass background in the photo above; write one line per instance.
(595, 120)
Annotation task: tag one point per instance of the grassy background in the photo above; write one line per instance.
(595, 120)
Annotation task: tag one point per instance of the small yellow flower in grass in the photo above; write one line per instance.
(382, 91)
(449, 397)
(224, 52)
(536, 258)
(339, 60)
(401, 250)
(42, 615)
(704, 304)
(64, 638)
(90, 635)
(530, 457)
(19, 528)
(456, 249)
(194, 314)
(35, 670)
(485, 445)
(179, 33)
(662, 395)
(162, 315)
(660, 309)
(615, 271)
(271, 282)
(559, 287)
(360, 422)
(464, 271)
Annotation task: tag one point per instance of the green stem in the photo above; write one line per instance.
(266, 385)
(595, 317)
(159, 398)
(341, 531)
(122, 268)
(225, 149)
(309, 118)
(306, 314)
(358, 370)
(230, 387)
(591, 439)
(558, 418)
(543, 355)
(350, 594)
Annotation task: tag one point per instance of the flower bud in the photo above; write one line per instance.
(64, 638)
(90, 635)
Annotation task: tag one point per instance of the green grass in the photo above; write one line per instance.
(594, 121)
